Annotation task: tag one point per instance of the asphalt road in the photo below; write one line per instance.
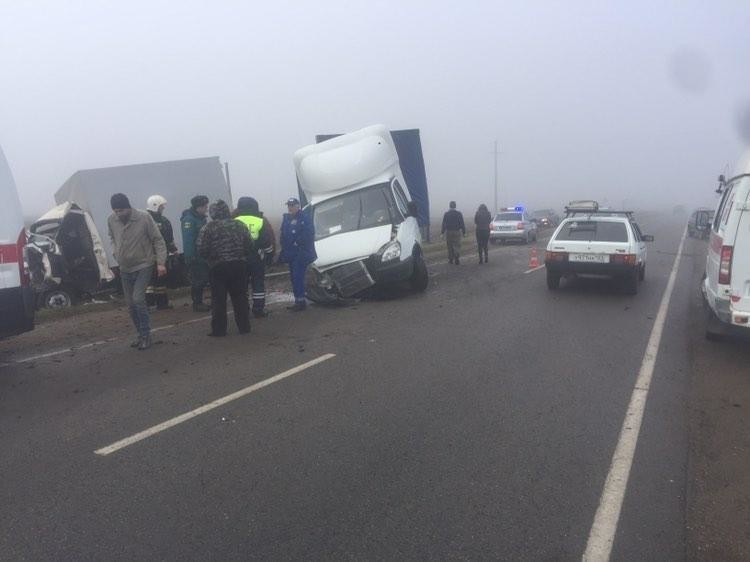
(475, 421)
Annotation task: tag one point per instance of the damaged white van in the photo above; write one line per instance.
(366, 230)
(726, 286)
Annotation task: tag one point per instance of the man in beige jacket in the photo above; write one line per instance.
(138, 246)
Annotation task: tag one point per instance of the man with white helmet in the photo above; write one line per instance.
(156, 292)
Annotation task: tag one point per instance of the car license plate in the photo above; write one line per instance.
(590, 258)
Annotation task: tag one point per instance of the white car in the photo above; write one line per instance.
(726, 287)
(604, 245)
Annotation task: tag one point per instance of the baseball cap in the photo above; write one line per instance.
(292, 201)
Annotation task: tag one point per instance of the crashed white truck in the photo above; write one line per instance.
(71, 251)
(366, 229)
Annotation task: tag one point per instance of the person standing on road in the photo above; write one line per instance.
(482, 220)
(226, 245)
(249, 214)
(137, 245)
(297, 249)
(191, 223)
(453, 229)
(156, 292)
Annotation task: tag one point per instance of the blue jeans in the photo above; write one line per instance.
(134, 288)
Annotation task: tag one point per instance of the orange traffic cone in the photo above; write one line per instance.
(534, 261)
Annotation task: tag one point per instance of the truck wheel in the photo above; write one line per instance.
(631, 283)
(57, 298)
(420, 278)
(553, 280)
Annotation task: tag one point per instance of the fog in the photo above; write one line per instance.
(634, 102)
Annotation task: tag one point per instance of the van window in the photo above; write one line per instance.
(722, 206)
(358, 210)
(401, 200)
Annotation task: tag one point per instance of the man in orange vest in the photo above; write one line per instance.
(249, 214)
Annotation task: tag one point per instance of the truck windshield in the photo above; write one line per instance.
(358, 210)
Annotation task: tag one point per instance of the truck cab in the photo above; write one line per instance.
(16, 294)
(366, 230)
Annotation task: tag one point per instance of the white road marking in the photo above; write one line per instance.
(604, 528)
(534, 269)
(145, 434)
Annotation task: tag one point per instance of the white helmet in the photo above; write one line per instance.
(154, 202)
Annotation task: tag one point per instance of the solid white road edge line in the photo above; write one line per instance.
(109, 449)
(604, 528)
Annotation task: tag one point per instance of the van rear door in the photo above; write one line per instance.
(741, 259)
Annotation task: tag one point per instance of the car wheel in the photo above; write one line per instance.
(631, 283)
(642, 273)
(420, 277)
(553, 280)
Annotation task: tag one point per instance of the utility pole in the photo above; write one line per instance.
(496, 154)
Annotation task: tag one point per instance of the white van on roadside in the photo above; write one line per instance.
(16, 294)
(366, 230)
(726, 286)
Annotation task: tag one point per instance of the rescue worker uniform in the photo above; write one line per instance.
(191, 224)
(225, 244)
(297, 249)
(453, 229)
(156, 292)
(249, 214)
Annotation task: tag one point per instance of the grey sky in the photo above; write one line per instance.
(616, 100)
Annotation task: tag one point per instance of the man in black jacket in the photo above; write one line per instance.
(453, 229)
(226, 245)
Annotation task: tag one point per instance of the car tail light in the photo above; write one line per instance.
(520, 226)
(624, 259)
(23, 270)
(555, 256)
(725, 266)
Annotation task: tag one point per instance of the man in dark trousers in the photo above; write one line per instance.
(226, 245)
(249, 214)
(138, 247)
(156, 292)
(297, 249)
(191, 223)
(453, 229)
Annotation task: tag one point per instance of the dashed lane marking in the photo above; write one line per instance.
(533, 269)
(151, 431)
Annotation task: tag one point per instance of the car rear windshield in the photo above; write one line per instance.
(508, 217)
(594, 231)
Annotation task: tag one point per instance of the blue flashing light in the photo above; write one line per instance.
(519, 208)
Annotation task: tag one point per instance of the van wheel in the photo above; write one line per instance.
(642, 273)
(553, 280)
(714, 327)
(420, 278)
(631, 283)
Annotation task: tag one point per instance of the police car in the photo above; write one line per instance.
(513, 223)
(593, 243)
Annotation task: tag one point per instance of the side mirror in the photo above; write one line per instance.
(647, 238)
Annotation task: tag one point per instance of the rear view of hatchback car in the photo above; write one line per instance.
(726, 286)
(16, 294)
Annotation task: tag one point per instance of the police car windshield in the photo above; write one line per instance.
(358, 210)
(594, 231)
(508, 217)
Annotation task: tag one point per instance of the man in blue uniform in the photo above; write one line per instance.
(297, 249)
